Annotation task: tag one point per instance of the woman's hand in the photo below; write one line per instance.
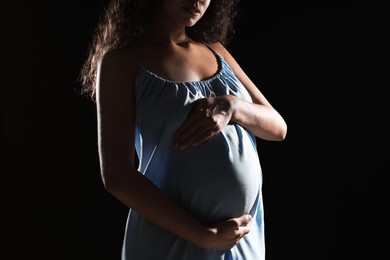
(227, 233)
(207, 118)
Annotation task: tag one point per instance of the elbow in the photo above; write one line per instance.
(115, 180)
(273, 132)
(281, 136)
(282, 132)
(277, 129)
(110, 181)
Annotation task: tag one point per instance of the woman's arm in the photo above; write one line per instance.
(210, 115)
(258, 117)
(116, 139)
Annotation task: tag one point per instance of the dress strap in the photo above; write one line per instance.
(210, 48)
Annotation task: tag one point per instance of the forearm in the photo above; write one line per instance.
(261, 120)
(142, 196)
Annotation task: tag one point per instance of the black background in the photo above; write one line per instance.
(322, 65)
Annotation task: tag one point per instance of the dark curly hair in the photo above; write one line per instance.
(125, 21)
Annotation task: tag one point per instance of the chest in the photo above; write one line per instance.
(180, 64)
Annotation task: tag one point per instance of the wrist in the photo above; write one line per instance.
(205, 237)
(233, 103)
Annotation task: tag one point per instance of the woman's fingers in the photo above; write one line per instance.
(190, 127)
(197, 138)
(230, 231)
(197, 135)
(244, 224)
(244, 220)
(207, 117)
(198, 127)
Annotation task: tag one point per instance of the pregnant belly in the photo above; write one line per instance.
(219, 179)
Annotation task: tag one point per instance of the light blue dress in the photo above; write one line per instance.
(221, 178)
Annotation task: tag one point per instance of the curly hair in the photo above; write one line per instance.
(123, 22)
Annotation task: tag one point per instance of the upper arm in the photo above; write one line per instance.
(115, 112)
(253, 90)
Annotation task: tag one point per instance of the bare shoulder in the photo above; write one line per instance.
(118, 59)
(220, 49)
(253, 90)
(116, 71)
(226, 55)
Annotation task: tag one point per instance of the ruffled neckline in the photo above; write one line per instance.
(216, 75)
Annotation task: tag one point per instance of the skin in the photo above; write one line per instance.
(169, 53)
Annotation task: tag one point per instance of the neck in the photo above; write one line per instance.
(167, 38)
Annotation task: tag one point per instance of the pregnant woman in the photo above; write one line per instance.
(169, 92)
